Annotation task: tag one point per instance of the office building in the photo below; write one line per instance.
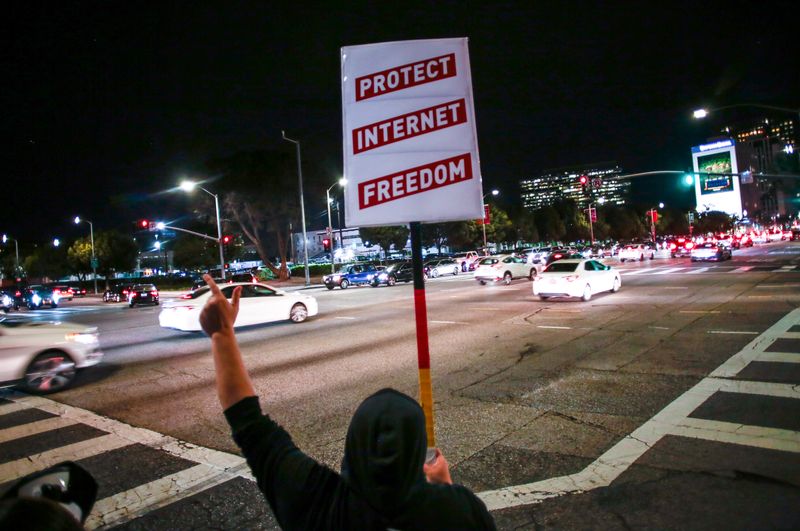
(602, 185)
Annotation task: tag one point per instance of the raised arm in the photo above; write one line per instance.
(217, 319)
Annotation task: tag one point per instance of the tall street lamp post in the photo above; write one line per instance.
(302, 205)
(702, 113)
(483, 221)
(188, 186)
(16, 251)
(329, 232)
(77, 220)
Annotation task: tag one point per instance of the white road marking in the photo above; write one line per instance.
(673, 419)
(698, 270)
(214, 467)
(345, 318)
(485, 309)
(449, 322)
(741, 269)
(555, 327)
(675, 287)
(72, 452)
(778, 286)
(729, 432)
(33, 428)
(779, 357)
(699, 311)
(742, 332)
(668, 271)
(658, 327)
(784, 269)
(147, 497)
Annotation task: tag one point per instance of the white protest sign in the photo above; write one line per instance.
(410, 143)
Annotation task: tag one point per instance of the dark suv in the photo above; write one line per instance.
(117, 293)
(143, 294)
(397, 272)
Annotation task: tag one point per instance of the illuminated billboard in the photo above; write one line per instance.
(717, 185)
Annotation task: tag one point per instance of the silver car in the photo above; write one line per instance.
(43, 357)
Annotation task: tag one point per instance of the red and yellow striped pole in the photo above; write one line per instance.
(423, 351)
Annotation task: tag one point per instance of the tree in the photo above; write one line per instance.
(526, 226)
(191, 252)
(500, 229)
(79, 257)
(385, 237)
(549, 223)
(47, 262)
(115, 251)
(260, 194)
(714, 221)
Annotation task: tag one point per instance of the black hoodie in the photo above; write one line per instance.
(381, 486)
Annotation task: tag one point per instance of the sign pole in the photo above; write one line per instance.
(423, 351)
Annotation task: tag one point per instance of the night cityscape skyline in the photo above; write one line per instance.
(110, 106)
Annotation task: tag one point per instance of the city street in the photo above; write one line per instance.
(674, 403)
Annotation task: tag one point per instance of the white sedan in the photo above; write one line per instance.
(635, 251)
(576, 278)
(259, 304)
(42, 357)
(504, 267)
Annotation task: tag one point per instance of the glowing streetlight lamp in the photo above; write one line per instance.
(187, 186)
(495, 193)
(342, 182)
(77, 221)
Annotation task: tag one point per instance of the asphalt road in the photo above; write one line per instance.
(535, 401)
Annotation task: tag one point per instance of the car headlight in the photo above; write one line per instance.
(86, 339)
(36, 299)
(383, 276)
(6, 300)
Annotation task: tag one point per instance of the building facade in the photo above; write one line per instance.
(602, 185)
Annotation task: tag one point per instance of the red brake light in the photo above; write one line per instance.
(154, 292)
(186, 296)
(673, 246)
(689, 245)
(18, 294)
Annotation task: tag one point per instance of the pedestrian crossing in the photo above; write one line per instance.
(715, 269)
(36, 432)
(752, 400)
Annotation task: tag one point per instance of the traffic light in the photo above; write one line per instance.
(326, 244)
(143, 224)
(227, 239)
(583, 180)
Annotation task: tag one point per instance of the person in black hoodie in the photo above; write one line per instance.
(384, 483)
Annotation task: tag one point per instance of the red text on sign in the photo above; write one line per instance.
(415, 180)
(405, 76)
(409, 125)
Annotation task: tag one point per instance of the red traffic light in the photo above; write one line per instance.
(144, 224)
(583, 179)
(326, 244)
(227, 239)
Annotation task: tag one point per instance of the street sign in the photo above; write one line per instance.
(95, 263)
(593, 214)
(410, 142)
(690, 216)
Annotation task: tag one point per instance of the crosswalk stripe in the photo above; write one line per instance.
(784, 269)
(70, 452)
(670, 270)
(699, 270)
(34, 428)
(730, 432)
(779, 357)
(144, 498)
(742, 269)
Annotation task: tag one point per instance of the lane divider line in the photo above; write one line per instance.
(741, 332)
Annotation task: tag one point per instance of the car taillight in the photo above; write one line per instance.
(154, 293)
(571, 278)
(124, 292)
(186, 296)
(673, 246)
(56, 291)
(689, 245)
(18, 294)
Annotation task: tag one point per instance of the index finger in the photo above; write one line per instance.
(211, 284)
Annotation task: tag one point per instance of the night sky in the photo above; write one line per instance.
(107, 104)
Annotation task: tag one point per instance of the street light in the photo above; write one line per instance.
(342, 182)
(702, 113)
(77, 220)
(16, 250)
(302, 205)
(188, 186)
(495, 193)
